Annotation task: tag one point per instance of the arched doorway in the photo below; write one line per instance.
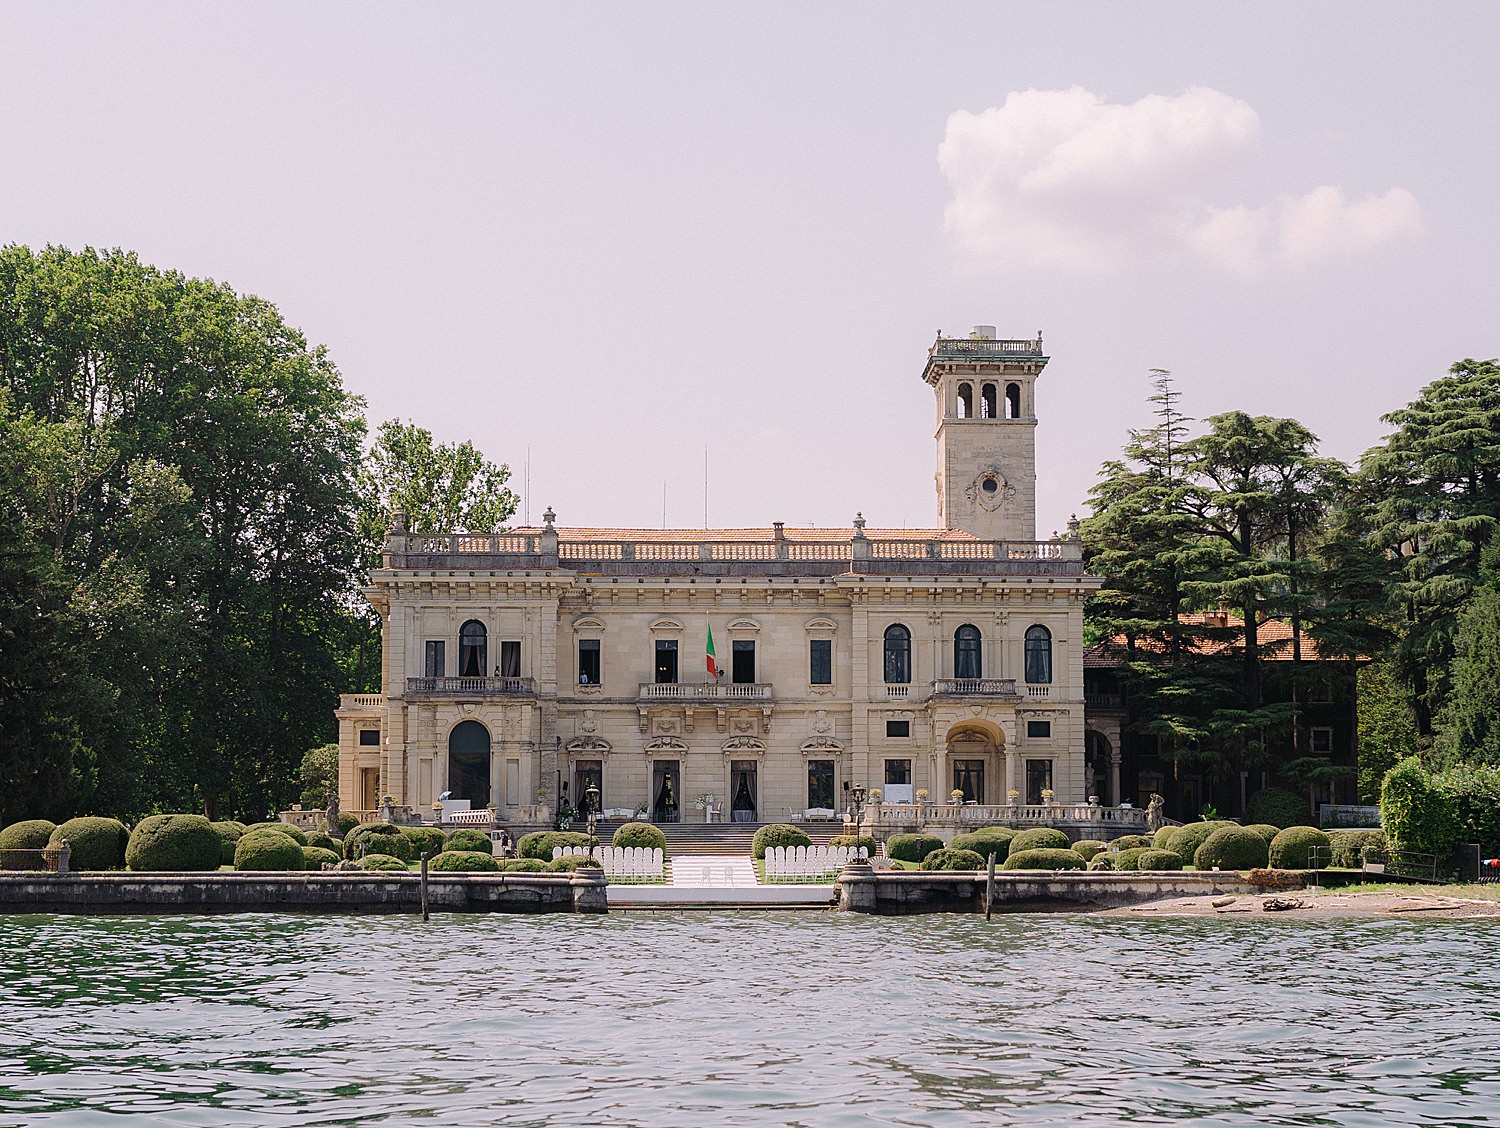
(469, 763)
(976, 763)
(1097, 758)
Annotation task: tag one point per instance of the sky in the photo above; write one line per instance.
(606, 240)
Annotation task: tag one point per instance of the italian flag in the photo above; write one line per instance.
(713, 667)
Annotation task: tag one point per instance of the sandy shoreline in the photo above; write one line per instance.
(1411, 902)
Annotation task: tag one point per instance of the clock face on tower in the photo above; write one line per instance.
(990, 491)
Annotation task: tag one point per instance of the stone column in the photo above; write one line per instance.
(1113, 799)
(497, 775)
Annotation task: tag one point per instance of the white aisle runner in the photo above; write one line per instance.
(708, 871)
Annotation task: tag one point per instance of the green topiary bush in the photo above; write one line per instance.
(31, 834)
(173, 842)
(1133, 842)
(316, 857)
(324, 841)
(467, 838)
(377, 838)
(1292, 848)
(777, 834)
(523, 865)
(1158, 860)
(93, 843)
(854, 842)
(639, 835)
(1040, 838)
(1349, 846)
(1086, 848)
(346, 822)
(539, 844)
(463, 861)
(1128, 859)
(1162, 840)
(428, 838)
(911, 847)
(1265, 830)
(383, 862)
(1102, 861)
(950, 859)
(295, 833)
(566, 864)
(990, 840)
(267, 849)
(229, 833)
(1045, 858)
(1278, 807)
(1188, 838)
(1231, 848)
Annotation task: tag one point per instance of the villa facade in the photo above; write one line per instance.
(521, 669)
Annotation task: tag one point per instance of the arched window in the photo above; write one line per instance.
(1038, 655)
(967, 662)
(1012, 401)
(472, 650)
(897, 655)
(987, 406)
(966, 401)
(469, 763)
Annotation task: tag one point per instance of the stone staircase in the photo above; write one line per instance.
(717, 839)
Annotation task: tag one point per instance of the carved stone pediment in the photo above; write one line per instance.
(594, 744)
(744, 744)
(822, 746)
(666, 744)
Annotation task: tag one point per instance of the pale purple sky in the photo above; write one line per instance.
(619, 233)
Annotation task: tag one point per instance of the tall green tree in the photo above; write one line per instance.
(1468, 727)
(441, 487)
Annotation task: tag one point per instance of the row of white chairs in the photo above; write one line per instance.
(800, 863)
(620, 861)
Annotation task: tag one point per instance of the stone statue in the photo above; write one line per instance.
(1155, 820)
(332, 815)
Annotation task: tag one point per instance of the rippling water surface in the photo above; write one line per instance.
(747, 1019)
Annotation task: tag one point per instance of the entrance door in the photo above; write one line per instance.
(469, 763)
(587, 774)
(742, 786)
(968, 777)
(665, 791)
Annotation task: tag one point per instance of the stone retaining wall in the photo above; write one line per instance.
(863, 890)
(367, 892)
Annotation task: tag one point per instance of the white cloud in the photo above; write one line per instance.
(1064, 179)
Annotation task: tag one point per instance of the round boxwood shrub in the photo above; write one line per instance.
(854, 842)
(1349, 846)
(377, 838)
(346, 822)
(1086, 848)
(295, 833)
(639, 835)
(1277, 806)
(777, 834)
(463, 861)
(1231, 848)
(467, 838)
(950, 859)
(1127, 859)
(1133, 842)
(1102, 861)
(324, 841)
(383, 862)
(173, 842)
(567, 864)
(522, 865)
(1158, 860)
(1044, 858)
(1040, 838)
(93, 843)
(428, 838)
(30, 834)
(539, 844)
(1265, 830)
(267, 849)
(1188, 838)
(985, 842)
(911, 847)
(1162, 840)
(229, 833)
(316, 857)
(1292, 848)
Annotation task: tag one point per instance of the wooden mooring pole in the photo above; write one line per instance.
(424, 885)
(989, 888)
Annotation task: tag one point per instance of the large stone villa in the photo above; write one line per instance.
(523, 668)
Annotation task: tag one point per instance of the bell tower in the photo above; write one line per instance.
(986, 432)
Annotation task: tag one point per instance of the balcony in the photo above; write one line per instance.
(470, 687)
(705, 691)
(974, 687)
(1103, 701)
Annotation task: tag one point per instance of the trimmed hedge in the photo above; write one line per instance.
(324, 841)
(467, 838)
(30, 834)
(93, 843)
(1349, 846)
(1043, 859)
(539, 843)
(463, 861)
(1292, 848)
(951, 859)
(1158, 860)
(1277, 806)
(1133, 842)
(346, 822)
(990, 840)
(1265, 830)
(229, 833)
(316, 857)
(854, 842)
(377, 838)
(778, 834)
(173, 842)
(1436, 812)
(428, 838)
(567, 864)
(1163, 837)
(1086, 848)
(641, 835)
(1129, 859)
(1232, 848)
(382, 862)
(911, 847)
(1101, 861)
(1041, 838)
(295, 833)
(267, 849)
(1188, 838)
(522, 865)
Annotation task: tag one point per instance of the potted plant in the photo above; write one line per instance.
(956, 796)
(1048, 796)
(1014, 795)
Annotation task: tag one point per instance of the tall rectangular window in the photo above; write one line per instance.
(589, 665)
(820, 661)
(897, 772)
(1038, 779)
(820, 784)
(666, 661)
(743, 661)
(434, 661)
(510, 660)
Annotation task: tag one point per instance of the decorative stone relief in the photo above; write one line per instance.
(822, 745)
(592, 744)
(990, 491)
(821, 723)
(589, 723)
(744, 744)
(666, 744)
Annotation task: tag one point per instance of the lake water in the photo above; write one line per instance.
(700, 1019)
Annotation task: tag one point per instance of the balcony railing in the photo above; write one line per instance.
(705, 691)
(1003, 814)
(470, 687)
(984, 346)
(974, 687)
(1103, 701)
